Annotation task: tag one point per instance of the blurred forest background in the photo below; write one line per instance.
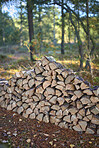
(68, 30)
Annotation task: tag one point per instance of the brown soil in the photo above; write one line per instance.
(19, 131)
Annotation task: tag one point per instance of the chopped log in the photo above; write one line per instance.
(19, 82)
(61, 101)
(46, 84)
(53, 75)
(88, 92)
(69, 79)
(47, 68)
(60, 78)
(83, 86)
(37, 83)
(35, 98)
(25, 81)
(53, 100)
(60, 87)
(25, 86)
(39, 90)
(31, 82)
(49, 78)
(59, 71)
(70, 87)
(50, 91)
(58, 93)
(77, 81)
(49, 97)
(77, 86)
(33, 74)
(39, 78)
(44, 61)
(53, 66)
(46, 73)
(65, 73)
(78, 93)
(54, 83)
(61, 83)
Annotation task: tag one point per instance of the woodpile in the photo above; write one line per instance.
(52, 93)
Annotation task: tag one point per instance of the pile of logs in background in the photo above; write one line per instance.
(52, 93)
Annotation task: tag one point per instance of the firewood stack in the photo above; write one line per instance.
(52, 93)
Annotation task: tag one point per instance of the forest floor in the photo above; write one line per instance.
(19, 132)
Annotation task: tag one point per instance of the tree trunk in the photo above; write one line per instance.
(88, 37)
(30, 24)
(21, 42)
(54, 40)
(40, 28)
(62, 43)
(69, 34)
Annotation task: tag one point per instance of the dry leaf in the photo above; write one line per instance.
(72, 145)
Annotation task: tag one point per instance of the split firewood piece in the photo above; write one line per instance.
(46, 84)
(38, 70)
(39, 90)
(61, 83)
(33, 74)
(96, 91)
(25, 86)
(11, 82)
(60, 78)
(77, 86)
(37, 83)
(53, 65)
(18, 90)
(77, 80)
(31, 82)
(19, 82)
(47, 68)
(94, 99)
(50, 91)
(69, 78)
(25, 81)
(70, 87)
(78, 93)
(64, 93)
(53, 100)
(44, 61)
(54, 83)
(54, 75)
(88, 92)
(46, 73)
(59, 71)
(58, 93)
(39, 78)
(60, 87)
(49, 78)
(61, 101)
(28, 92)
(66, 72)
(84, 86)
(35, 98)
